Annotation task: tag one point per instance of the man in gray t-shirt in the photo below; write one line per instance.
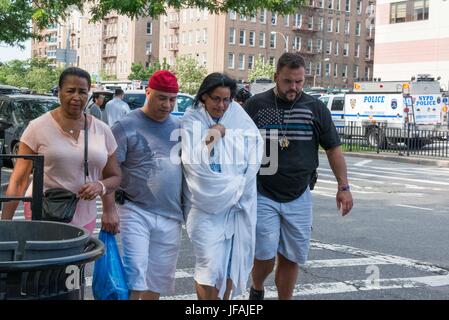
(151, 215)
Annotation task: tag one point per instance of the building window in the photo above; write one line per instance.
(359, 6)
(190, 38)
(250, 62)
(318, 69)
(346, 49)
(330, 4)
(232, 15)
(357, 50)
(309, 45)
(356, 72)
(253, 17)
(310, 22)
(397, 12)
(242, 17)
(298, 20)
(252, 37)
(242, 40)
(330, 24)
(263, 16)
(198, 36)
(367, 73)
(358, 26)
(329, 47)
(309, 68)
(347, 27)
(231, 36)
(241, 61)
(420, 10)
(337, 25)
(337, 47)
(273, 40)
(230, 61)
(327, 71)
(338, 5)
(319, 45)
(344, 71)
(368, 52)
(262, 39)
(320, 24)
(271, 60)
(347, 5)
(274, 19)
(335, 70)
(204, 35)
(297, 43)
(286, 20)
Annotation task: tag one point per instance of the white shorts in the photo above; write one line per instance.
(150, 249)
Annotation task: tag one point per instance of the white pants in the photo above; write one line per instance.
(150, 249)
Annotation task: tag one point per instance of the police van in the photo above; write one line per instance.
(374, 108)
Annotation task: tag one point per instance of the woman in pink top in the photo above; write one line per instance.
(59, 136)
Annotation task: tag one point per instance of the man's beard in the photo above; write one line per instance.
(283, 96)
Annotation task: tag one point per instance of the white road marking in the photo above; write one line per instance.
(344, 287)
(396, 178)
(413, 207)
(362, 163)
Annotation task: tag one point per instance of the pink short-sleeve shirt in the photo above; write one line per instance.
(64, 158)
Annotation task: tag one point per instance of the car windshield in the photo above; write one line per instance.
(134, 100)
(26, 110)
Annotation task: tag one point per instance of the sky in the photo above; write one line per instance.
(8, 53)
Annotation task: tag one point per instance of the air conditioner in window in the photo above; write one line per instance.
(148, 52)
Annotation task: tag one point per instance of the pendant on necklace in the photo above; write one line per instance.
(283, 142)
(71, 131)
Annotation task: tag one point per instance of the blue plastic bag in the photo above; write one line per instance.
(109, 279)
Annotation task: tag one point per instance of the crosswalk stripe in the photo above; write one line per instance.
(343, 287)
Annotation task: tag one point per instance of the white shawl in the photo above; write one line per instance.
(232, 189)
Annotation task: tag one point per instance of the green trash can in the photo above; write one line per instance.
(42, 260)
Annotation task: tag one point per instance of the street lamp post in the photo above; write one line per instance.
(283, 36)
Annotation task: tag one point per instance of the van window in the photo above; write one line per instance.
(338, 104)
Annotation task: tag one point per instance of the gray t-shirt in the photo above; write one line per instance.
(150, 178)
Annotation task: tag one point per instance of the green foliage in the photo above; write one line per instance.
(189, 74)
(261, 69)
(16, 15)
(138, 71)
(106, 77)
(35, 74)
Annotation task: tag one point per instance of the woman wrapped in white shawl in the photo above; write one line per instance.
(221, 155)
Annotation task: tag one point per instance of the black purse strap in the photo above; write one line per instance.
(86, 162)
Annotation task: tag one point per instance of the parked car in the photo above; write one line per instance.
(5, 89)
(16, 111)
(136, 98)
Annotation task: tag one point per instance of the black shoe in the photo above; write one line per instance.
(256, 294)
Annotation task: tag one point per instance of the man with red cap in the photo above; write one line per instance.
(149, 199)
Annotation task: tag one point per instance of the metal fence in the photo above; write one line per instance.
(408, 141)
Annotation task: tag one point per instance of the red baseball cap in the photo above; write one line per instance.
(165, 81)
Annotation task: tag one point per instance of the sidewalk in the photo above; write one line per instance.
(422, 160)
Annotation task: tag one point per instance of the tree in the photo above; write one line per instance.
(16, 15)
(189, 74)
(138, 71)
(35, 74)
(261, 69)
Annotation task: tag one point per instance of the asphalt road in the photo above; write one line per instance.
(393, 245)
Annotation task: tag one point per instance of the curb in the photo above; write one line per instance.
(400, 158)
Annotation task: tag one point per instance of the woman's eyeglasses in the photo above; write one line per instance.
(217, 100)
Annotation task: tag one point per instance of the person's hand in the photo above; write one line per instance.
(220, 128)
(344, 202)
(90, 191)
(110, 221)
